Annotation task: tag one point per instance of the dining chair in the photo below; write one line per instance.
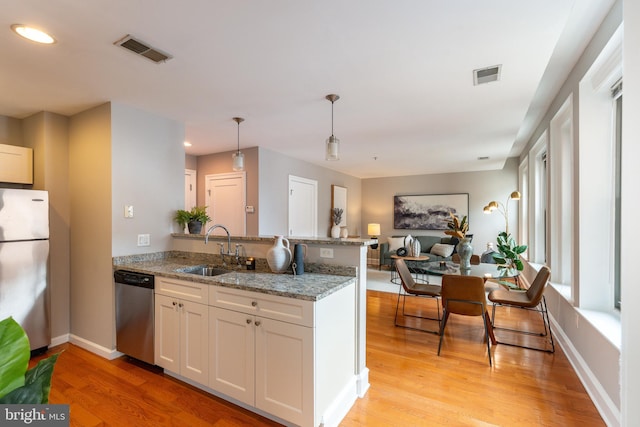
(533, 300)
(475, 259)
(409, 287)
(465, 295)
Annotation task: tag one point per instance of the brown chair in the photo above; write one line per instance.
(410, 288)
(532, 299)
(465, 295)
(475, 259)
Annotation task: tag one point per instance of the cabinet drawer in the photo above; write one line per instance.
(183, 289)
(299, 312)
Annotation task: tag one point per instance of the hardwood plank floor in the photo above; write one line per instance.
(410, 384)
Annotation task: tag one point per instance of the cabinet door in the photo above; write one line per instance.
(194, 348)
(231, 353)
(167, 333)
(284, 370)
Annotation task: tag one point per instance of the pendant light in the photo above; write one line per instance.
(238, 157)
(333, 143)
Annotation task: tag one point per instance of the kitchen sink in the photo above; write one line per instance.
(201, 270)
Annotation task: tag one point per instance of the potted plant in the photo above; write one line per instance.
(19, 385)
(193, 219)
(336, 218)
(458, 228)
(508, 255)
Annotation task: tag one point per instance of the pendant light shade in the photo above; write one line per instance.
(333, 143)
(238, 157)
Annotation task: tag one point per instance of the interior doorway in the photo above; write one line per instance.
(225, 196)
(303, 207)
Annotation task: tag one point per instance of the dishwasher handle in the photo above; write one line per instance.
(133, 278)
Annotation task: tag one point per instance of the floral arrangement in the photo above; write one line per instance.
(457, 228)
(336, 215)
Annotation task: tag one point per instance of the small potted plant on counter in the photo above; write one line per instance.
(193, 219)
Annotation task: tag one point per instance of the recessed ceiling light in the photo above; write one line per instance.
(483, 158)
(32, 34)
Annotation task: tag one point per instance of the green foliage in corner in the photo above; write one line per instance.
(508, 255)
(17, 384)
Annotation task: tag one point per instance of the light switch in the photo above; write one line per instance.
(326, 253)
(128, 211)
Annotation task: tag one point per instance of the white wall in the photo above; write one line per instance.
(590, 339)
(630, 359)
(148, 174)
(483, 187)
(274, 170)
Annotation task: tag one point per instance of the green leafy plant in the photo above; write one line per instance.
(197, 213)
(17, 384)
(457, 227)
(508, 255)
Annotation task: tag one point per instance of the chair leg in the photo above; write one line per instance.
(445, 317)
(545, 322)
(404, 314)
(485, 322)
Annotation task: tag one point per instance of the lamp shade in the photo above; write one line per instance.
(373, 230)
(238, 161)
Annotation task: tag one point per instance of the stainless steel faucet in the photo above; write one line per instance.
(213, 227)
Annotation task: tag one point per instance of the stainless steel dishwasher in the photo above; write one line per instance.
(134, 314)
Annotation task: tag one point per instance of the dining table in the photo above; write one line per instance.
(487, 271)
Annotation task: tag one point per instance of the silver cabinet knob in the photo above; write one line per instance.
(248, 321)
(258, 323)
(254, 303)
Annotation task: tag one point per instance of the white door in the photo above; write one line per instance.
(194, 346)
(284, 370)
(167, 333)
(231, 353)
(303, 202)
(226, 200)
(189, 189)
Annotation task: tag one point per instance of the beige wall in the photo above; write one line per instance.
(482, 187)
(222, 163)
(48, 135)
(92, 297)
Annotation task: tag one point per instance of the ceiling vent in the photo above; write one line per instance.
(486, 75)
(141, 48)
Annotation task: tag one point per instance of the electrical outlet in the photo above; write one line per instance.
(144, 240)
(326, 253)
(128, 211)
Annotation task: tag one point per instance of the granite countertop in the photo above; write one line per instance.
(309, 286)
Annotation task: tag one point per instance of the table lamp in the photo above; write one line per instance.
(374, 232)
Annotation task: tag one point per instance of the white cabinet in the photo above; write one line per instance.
(263, 362)
(261, 351)
(182, 328)
(16, 164)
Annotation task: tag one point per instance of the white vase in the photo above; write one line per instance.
(415, 248)
(335, 231)
(344, 232)
(279, 255)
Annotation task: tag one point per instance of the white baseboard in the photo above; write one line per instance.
(94, 348)
(607, 409)
(59, 340)
(341, 405)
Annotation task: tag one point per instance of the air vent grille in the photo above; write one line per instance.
(487, 74)
(140, 48)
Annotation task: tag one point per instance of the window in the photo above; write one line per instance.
(617, 147)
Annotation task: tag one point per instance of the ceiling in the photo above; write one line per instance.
(403, 70)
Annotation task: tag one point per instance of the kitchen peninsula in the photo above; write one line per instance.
(278, 344)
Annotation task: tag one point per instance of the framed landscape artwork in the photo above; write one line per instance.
(428, 211)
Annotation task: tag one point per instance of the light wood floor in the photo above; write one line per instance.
(410, 384)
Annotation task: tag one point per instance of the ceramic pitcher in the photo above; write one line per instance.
(279, 255)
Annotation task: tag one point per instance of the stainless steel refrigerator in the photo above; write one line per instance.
(24, 256)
